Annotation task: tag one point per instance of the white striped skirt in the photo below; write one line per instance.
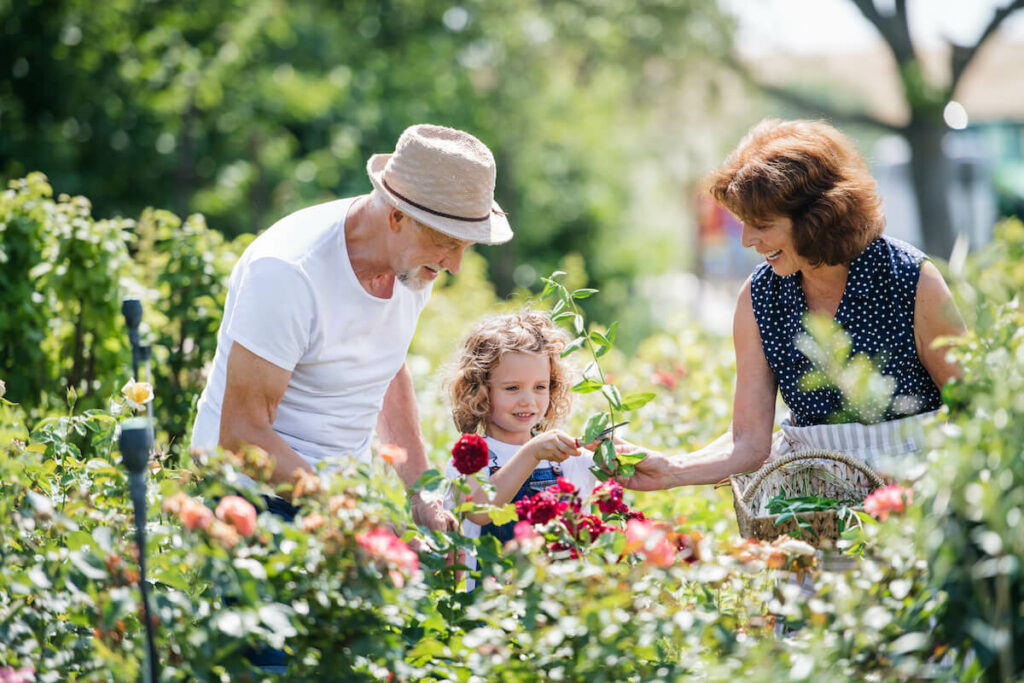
(871, 444)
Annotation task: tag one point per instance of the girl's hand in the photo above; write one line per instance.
(554, 445)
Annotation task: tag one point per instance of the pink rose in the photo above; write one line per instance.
(239, 512)
(523, 531)
(662, 553)
(884, 501)
(9, 674)
(383, 546)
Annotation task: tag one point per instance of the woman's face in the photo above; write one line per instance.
(773, 239)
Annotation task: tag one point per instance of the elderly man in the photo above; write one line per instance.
(321, 309)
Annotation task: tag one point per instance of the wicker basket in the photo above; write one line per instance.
(830, 474)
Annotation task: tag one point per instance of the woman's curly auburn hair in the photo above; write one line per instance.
(524, 332)
(811, 173)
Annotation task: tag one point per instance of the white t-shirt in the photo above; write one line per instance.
(294, 300)
(576, 470)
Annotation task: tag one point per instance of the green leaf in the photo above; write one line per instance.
(594, 425)
(610, 334)
(612, 394)
(584, 293)
(586, 386)
(577, 324)
(630, 458)
(88, 565)
(637, 400)
(503, 514)
(574, 345)
(558, 308)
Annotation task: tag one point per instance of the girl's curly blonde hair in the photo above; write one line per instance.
(524, 332)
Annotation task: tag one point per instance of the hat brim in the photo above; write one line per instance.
(494, 230)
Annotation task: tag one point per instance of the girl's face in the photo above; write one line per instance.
(519, 392)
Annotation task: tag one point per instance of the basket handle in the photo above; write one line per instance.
(763, 473)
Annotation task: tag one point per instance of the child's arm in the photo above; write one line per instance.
(554, 445)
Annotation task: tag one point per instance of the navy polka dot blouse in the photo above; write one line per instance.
(877, 311)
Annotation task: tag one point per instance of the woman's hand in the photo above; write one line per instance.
(652, 473)
(554, 446)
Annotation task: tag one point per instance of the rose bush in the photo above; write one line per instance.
(627, 586)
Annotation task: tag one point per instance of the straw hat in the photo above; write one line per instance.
(443, 178)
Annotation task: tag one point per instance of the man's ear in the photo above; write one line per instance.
(394, 219)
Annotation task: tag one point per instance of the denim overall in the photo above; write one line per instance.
(540, 479)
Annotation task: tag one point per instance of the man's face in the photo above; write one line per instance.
(427, 253)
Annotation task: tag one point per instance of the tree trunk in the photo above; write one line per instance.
(932, 179)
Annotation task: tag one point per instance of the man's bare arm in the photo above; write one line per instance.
(399, 423)
(252, 393)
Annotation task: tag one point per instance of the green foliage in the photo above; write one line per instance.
(63, 322)
(62, 329)
(23, 320)
(183, 268)
(971, 535)
(866, 392)
(608, 462)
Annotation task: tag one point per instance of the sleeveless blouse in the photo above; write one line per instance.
(876, 310)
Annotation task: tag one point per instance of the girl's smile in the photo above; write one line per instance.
(519, 393)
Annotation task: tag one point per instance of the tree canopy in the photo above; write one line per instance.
(245, 111)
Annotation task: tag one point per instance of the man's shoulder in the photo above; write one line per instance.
(296, 236)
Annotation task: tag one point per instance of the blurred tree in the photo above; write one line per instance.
(245, 111)
(925, 100)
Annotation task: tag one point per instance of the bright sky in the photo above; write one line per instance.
(830, 26)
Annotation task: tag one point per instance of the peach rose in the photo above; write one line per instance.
(194, 515)
(225, 534)
(239, 512)
(396, 455)
(312, 522)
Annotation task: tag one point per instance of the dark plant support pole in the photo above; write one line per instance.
(131, 309)
(135, 443)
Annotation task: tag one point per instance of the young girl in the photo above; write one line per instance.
(511, 384)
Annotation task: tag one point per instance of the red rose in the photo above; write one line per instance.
(592, 524)
(566, 486)
(469, 454)
(608, 497)
(541, 508)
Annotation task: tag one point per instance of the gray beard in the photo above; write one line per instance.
(412, 282)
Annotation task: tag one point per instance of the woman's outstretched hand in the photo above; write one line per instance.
(652, 473)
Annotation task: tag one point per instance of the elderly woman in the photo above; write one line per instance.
(809, 206)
